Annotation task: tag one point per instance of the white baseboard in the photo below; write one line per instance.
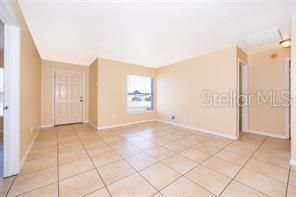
(124, 124)
(199, 129)
(265, 133)
(47, 126)
(293, 162)
(24, 158)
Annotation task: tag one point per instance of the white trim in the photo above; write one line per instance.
(124, 124)
(140, 112)
(46, 126)
(287, 88)
(293, 162)
(25, 156)
(83, 93)
(199, 129)
(266, 133)
(11, 100)
(245, 117)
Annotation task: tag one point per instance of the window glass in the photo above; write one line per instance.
(140, 93)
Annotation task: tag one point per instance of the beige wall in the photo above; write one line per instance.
(30, 86)
(112, 92)
(293, 92)
(1, 59)
(47, 84)
(267, 74)
(1, 65)
(93, 93)
(179, 89)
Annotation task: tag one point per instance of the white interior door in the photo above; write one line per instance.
(244, 98)
(11, 123)
(68, 97)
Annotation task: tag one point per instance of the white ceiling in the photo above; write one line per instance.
(149, 33)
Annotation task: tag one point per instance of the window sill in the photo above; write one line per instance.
(140, 112)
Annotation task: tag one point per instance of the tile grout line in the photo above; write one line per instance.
(176, 153)
(267, 175)
(31, 189)
(10, 186)
(137, 172)
(209, 168)
(198, 163)
(58, 167)
(243, 168)
(288, 181)
(159, 161)
(93, 165)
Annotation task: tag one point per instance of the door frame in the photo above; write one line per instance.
(11, 119)
(83, 92)
(287, 87)
(246, 115)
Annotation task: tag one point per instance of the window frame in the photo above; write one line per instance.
(152, 95)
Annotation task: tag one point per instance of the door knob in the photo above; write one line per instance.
(5, 107)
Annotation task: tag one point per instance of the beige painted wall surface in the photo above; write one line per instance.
(1, 59)
(180, 87)
(30, 88)
(293, 91)
(267, 74)
(112, 87)
(93, 93)
(1, 66)
(47, 83)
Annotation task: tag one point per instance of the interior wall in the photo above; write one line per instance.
(1, 66)
(47, 90)
(30, 83)
(93, 93)
(112, 92)
(1, 59)
(267, 74)
(293, 91)
(180, 87)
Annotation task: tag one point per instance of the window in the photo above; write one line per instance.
(139, 94)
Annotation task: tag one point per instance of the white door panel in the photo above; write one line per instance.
(68, 97)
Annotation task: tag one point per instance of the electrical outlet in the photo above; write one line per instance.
(190, 118)
(113, 117)
(173, 117)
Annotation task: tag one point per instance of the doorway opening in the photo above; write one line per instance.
(288, 91)
(243, 97)
(68, 97)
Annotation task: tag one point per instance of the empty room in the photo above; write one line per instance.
(147, 98)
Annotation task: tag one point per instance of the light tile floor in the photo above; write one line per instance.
(152, 159)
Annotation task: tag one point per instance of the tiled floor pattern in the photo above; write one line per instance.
(152, 159)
